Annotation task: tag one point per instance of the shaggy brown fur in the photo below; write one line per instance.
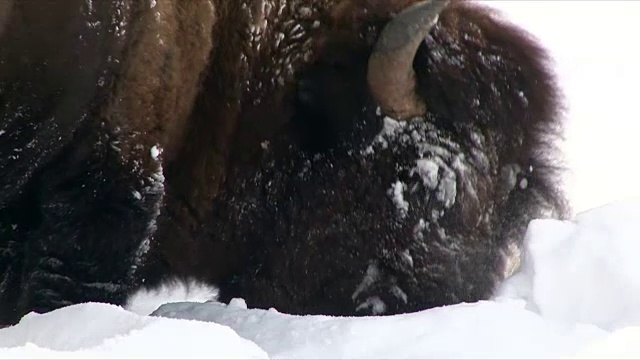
(233, 138)
(87, 89)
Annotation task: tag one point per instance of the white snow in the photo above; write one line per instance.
(155, 152)
(110, 332)
(576, 295)
(396, 192)
(591, 260)
(145, 301)
(428, 171)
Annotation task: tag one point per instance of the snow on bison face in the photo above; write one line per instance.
(340, 157)
(411, 170)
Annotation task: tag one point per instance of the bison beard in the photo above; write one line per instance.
(283, 179)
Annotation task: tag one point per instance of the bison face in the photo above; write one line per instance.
(414, 161)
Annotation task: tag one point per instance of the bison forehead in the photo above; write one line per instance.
(411, 174)
(432, 169)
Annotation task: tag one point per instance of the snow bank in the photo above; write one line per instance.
(96, 330)
(585, 270)
(575, 296)
(622, 344)
(482, 330)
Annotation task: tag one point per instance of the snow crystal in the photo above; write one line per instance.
(391, 127)
(238, 303)
(2, 132)
(418, 230)
(523, 183)
(305, 12)
(446, 192)
(118, 19)
(523, 98)
(155, 152)
(371, 276)
(146, 300)
(396, 194)
(374, 303)
(406, 255)
(155, 188)
(428, 171)
(509, 175)
(152, 4)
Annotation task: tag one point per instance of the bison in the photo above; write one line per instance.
(341, 157)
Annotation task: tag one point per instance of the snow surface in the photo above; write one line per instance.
(97, 330)
(575, 295)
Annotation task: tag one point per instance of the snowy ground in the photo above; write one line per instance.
(578, 286)
(576, 295)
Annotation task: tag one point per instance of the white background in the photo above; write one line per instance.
(596, 46)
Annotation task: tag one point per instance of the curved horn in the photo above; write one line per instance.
(390, 74)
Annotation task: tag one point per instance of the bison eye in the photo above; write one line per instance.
(329, 103)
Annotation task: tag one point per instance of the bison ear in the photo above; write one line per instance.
(390, 74)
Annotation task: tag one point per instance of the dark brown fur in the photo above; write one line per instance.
(194, 79)
(87, 88)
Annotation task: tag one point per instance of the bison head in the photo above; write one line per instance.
(414, 152)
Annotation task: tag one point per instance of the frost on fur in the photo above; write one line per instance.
(145, 300)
